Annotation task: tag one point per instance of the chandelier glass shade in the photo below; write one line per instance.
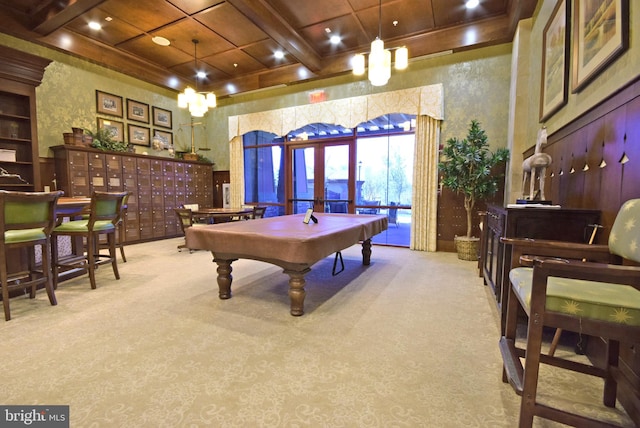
(380, 60)
(198, 103)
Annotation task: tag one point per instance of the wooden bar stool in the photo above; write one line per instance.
(26, 220)
(104, 213)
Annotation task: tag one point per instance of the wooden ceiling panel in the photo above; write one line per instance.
(193, 6)
(247, 32)
(226, 21)
(264, 53)
(112, 33)
(146, 15)
(234, 63)
(409, 20)
(304, 13)
(182, 33)
(166, 56)
(189, 69)
(447, 12)
(347, 27)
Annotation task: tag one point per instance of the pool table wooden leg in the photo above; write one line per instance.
(366, 252)
(296, 290)
(224, 277)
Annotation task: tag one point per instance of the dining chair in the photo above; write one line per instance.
(104, 213)
(581, 288)
(185, 218)
(258, 212)
(26, 221)
(121, 227)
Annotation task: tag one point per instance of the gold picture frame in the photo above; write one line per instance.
(139, 135)
(116, 128)
(600, 36)
(162, 117)
(555, 66)
(108, 104)
(137, 111)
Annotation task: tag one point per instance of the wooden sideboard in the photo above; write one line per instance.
(158, 185)
(537, 223)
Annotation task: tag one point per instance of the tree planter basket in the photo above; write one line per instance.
(467, 248)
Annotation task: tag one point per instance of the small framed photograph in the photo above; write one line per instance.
(139, 135)
(165, 137)
(137, 111)
(108, 104)
(555, 66)
(600, 35)
(162, 118)
(116, 128)
(226, 195)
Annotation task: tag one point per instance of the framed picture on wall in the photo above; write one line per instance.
(165, 137)
(139, 135)
(162, 118)
(226, 195)
(555, 66)
(116, 128)
(108, 104)
(137, 111)
(600, 35)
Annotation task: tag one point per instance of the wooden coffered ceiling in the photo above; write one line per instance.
(238, 38)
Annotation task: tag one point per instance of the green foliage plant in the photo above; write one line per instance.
(466, 168)
(103, 140)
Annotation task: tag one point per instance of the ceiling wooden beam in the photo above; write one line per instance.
(263, 15)
(54, 14)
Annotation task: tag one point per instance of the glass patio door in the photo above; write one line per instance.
(322, 178)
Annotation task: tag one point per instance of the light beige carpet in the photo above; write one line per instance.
(409, 341)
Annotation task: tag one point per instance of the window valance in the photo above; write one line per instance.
(348, 112)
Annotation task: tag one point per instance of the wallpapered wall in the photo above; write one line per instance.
(476, 86)
(525, 87)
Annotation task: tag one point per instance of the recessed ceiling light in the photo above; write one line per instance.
(95, 25)
(335, 40)
(201, 74)
(471, 4)
(278, 54)
(158, 40)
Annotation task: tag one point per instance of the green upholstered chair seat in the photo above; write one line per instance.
(24, 235)
(82, 226)
(587, 299)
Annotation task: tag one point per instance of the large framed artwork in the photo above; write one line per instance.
(108, 104)
(555, 66)
(114, 127)
(600, 35)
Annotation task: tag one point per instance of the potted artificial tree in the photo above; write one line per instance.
(466, 168)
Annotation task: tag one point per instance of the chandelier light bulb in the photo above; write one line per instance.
(402, 58)
(358, 64)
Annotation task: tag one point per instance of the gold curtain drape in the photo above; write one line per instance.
(236, 172)
(424, 200)
(426, 102)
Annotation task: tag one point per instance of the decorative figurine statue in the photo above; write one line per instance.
(536, 165)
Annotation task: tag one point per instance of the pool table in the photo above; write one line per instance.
(284, 241)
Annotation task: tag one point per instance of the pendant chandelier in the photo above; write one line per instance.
(380, 59)
(198, 103)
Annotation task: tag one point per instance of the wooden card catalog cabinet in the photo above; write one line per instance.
(158, 185)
